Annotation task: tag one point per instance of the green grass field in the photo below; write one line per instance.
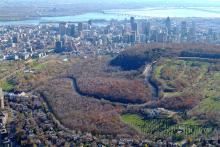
(6, 70)
(190, 75)
(210, 104)
(164, 128)
(7, 86)
(36, 65)
(196, 78)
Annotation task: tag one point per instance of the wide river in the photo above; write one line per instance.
(120, 14)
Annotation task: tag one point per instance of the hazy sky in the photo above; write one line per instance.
(194, 2)
(83, 1)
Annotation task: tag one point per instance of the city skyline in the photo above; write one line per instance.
(137, 73)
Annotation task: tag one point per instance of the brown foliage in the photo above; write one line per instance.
(118, 90)
(184, 102)
(137, 56)
(83, 113)
(176, 47)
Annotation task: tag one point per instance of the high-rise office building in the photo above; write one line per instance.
(73, 31)
(134, 26)
(192, 33)
(14, 39)
(80, 27)
(147, 31)
(89, 24)
(168, 25)
(133, 37)
(184, 31)
(62, 28)
(58, 46)
(154, 36)
(211, 36)
(183, 28)
(132, 21)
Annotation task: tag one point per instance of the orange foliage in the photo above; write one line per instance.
(119, 90)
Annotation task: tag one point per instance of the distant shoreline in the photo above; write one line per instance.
(119, 14)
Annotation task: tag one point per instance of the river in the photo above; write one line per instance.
(121, 14)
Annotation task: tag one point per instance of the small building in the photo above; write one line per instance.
(24, 56)
(11, 57)
(38, 55)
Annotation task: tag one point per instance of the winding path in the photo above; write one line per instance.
(76, 89)
(148, 80)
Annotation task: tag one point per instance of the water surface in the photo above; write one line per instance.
(120, 14)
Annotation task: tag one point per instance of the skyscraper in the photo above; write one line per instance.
(62, 28)
(168, 25)
(14, 39)
(89, 24)
(183, 31)
(134, 26)
(58, 46)
(133, 37)
(80, 27)
(192, 33)
(147, 31)
(73, 31)
(132, 21)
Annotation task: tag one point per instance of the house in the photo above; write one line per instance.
(38, 55)
(11, 57)
(24, 55)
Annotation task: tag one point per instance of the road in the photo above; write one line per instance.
(148, 80)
